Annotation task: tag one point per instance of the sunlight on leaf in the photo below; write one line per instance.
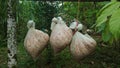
(107, 11)
(115, 24)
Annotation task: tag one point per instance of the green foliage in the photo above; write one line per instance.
(107, 11)
(3, 22)
(40, 12)
(114, 24)
(86, 12)
(108, 22)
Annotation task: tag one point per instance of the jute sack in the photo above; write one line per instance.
(60, 36)
(35, 41)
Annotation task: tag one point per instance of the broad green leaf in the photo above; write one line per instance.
(106, 35)
(101, 28)
(101, 19)
(114, 24)
(106, 6)
(107, 11)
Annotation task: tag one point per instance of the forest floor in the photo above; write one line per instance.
(103, 57)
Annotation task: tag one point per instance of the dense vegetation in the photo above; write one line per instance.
(91, 14)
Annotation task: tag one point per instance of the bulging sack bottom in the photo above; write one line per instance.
(60, 37)
(35, 42)
(82, 45)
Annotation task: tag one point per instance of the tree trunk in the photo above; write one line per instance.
(11, 38)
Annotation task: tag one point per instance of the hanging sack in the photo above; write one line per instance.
(35, 40)
(82, 45)
(60, 36)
